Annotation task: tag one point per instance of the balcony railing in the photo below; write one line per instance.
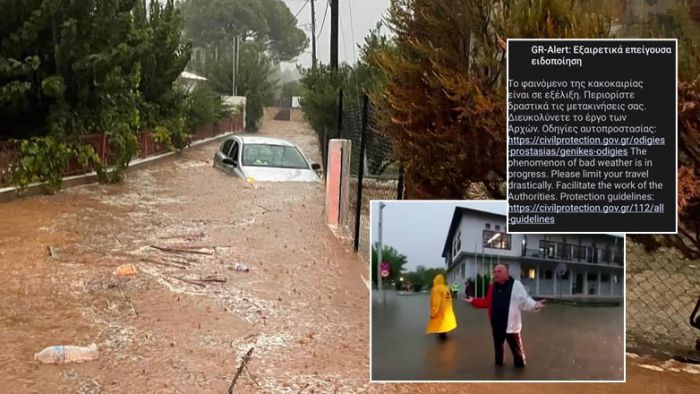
(582, 254)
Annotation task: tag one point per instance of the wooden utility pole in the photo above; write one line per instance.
(334, 34)
(313, 35)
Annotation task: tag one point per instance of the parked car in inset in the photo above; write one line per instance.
(265, 159)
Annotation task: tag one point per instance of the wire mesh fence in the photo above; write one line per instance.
(662, 290)
(375, 174)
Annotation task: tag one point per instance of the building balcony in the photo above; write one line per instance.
(578, 254)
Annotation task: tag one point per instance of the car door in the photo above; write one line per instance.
(235, 154)
(223, 153)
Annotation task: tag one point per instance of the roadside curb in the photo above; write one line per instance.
(9, 193)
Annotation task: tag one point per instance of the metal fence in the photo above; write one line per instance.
(662, 290)
(375, 174)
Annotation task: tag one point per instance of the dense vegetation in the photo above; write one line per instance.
(71, 68)
(268, 34)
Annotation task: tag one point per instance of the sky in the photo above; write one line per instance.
(418, 229)
(357, 17)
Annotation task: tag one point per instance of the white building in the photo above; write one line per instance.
(550, 266)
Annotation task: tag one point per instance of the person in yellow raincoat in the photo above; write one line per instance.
(442, 316)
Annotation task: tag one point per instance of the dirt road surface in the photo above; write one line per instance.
(183, 323)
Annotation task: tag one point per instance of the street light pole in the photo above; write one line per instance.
(380, 246)
(313, 35)
(234, 67)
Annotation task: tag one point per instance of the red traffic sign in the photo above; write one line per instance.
(384, 269)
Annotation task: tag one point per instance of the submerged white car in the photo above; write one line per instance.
(265, 159)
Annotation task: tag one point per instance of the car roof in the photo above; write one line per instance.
(250, 139)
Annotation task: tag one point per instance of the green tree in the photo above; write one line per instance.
(268, 35)
(256, 82)
(422, 278)
(69, 68)
(291, 89)
(270, 22)
(320, 86)
(675, 21)
(442, 96)
(163, 56)
(395, 259)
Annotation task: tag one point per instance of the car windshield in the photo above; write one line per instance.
(264, 155)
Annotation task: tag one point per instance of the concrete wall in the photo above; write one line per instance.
(297, 115)
(9, 193)
(236, 101)
(338, 182)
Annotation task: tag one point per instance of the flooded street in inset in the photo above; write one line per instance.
(561, 343)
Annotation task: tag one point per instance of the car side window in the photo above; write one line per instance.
(234, 151)
(226, 147)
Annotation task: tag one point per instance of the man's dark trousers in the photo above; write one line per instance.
(516, 346)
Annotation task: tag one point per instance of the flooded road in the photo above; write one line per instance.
(561, 343)
(183, 323)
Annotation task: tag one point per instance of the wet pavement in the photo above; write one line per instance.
(184, 322)
(302, 307)
(561, 343)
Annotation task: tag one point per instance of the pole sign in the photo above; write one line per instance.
(384, 269)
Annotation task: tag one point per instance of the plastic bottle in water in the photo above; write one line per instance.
(66, 354)
(241, 267)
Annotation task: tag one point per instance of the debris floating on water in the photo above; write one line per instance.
(125, 270)
(241, 267)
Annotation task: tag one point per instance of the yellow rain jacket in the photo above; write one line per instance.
(442, 316)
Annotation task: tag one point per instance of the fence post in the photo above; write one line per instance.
(340, 113)
(361, 172)
(103, 154)
(324, 149)
(399, 187)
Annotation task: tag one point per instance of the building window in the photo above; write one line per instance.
(605, 278)
(527, 272)
(488, 226)
(592, 277)
(496, 240)
(548, 274)
(457, 243)
(498, 228)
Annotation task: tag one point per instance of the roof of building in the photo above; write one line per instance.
(457, 216)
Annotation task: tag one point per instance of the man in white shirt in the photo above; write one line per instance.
(505, 299)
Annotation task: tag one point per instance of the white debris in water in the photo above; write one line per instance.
(192, 164)
(652, 367)
(264, 344)
(117, 336)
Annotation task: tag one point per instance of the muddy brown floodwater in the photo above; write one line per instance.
(303, 307)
